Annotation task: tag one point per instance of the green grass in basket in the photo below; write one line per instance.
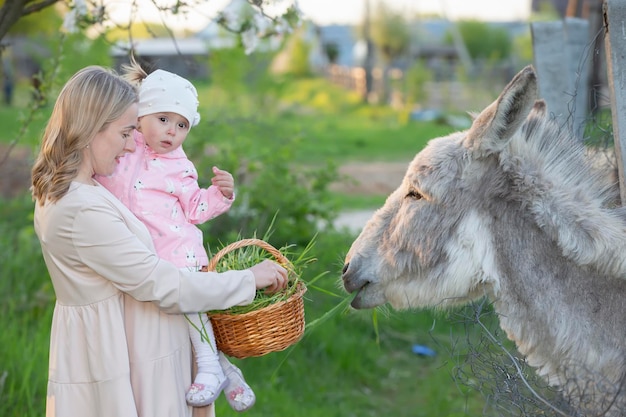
(247, 256)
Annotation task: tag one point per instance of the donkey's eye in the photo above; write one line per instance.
(414, 194)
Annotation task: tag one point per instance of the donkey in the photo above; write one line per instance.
(514, 210)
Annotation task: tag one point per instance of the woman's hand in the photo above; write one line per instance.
(269, 275)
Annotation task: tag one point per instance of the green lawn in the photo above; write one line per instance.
(338, 128)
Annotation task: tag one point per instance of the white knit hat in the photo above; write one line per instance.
(163, 91)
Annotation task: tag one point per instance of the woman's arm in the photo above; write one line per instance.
(106, 244)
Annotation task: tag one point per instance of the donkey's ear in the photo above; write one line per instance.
(540, 109)
(495, 126)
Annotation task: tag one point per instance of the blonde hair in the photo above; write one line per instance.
(133, 72)
(92, 99)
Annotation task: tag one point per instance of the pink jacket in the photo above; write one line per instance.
(162, 191)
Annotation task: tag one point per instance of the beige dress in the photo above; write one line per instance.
(119, 346)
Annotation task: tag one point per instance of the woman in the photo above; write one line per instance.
(119, 343)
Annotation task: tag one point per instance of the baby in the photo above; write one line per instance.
(160, 186)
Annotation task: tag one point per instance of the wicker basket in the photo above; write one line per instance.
(269, 329)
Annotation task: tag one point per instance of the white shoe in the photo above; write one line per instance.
(200, 395)
(238, 393)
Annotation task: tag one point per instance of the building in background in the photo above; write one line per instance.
(187, 57)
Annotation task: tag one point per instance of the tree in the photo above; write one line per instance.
(12, 11)
(91, 18)
(390, 34)
(87, 14)
(483, 41)
(42, 21)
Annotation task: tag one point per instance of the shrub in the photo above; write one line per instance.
(269, 188)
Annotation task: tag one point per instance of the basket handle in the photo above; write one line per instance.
(249, 242)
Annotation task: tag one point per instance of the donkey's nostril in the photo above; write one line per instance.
(345, 268)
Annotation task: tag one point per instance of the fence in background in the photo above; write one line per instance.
(442, 92)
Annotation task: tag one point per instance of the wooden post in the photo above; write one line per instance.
(615, 43)
(577, 43)
(549, 58)
(368, 64)
(559, 50)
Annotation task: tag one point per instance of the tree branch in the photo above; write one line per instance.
(12, 11)
(35, 6)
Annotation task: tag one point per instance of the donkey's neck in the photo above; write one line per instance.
(556, 311)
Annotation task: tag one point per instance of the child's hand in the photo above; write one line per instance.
(224, 182)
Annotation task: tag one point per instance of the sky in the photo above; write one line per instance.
(325, 12)
(352, 11)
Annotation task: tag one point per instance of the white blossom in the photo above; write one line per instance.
(77, 11)
(98, 13)
(261, 23)
(70, 22)
(282, 26)
(257, 25)
(298, 12)
(229, 18)
(81, 7)
(250, 39)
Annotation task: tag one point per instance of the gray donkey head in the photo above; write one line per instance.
(438, 238)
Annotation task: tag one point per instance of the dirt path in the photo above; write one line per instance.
(364, 178)
(370, 178)
(15, 165)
